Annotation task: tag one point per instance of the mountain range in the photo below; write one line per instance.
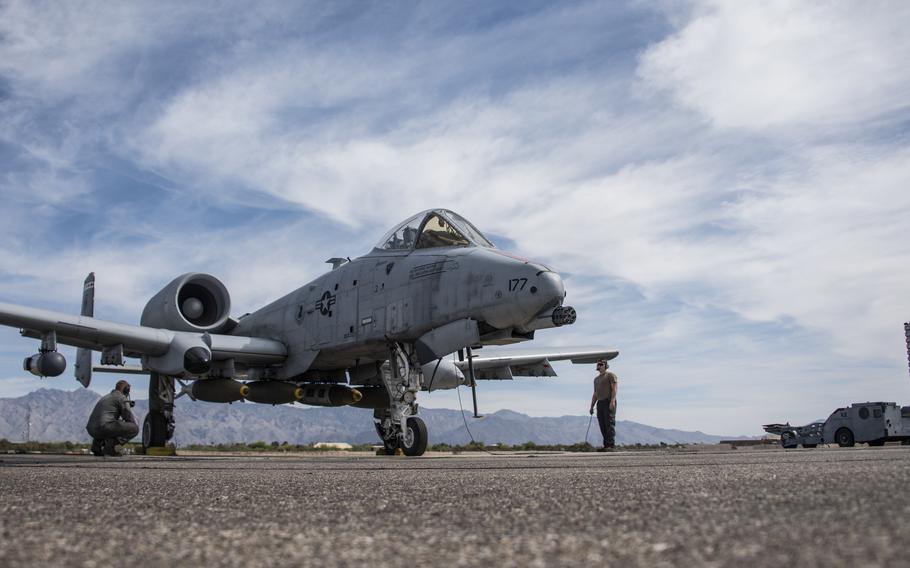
(58, 415)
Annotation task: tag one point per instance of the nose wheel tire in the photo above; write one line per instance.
(414, 441)
(844, 438)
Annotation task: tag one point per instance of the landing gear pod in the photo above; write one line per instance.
(50, 364)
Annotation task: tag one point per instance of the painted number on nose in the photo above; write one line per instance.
(517, 284)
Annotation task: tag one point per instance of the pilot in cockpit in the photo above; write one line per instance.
(410, 236)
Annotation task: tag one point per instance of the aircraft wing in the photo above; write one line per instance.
(505, 368)
(91, 333)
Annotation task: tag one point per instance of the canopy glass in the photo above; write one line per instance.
(433, 228)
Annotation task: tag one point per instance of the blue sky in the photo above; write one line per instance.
(723, 185)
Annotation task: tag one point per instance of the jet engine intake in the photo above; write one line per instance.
(191, 302)
(48, 364)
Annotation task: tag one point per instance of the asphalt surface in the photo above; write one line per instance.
(822, 507)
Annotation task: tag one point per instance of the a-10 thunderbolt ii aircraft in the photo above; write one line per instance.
(372, 332)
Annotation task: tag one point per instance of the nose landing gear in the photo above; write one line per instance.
(398, 425)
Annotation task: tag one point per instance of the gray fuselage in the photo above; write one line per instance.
(348, 316)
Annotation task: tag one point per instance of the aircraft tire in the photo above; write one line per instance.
(415, 439)
(876, 443)
(154, 430)
(844, 438)
(809, 445)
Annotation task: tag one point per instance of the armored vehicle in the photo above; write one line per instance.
(872, 422)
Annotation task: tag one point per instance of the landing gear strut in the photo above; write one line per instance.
(398, 425)
(158, 426)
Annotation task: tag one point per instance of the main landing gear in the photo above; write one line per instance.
(158, 426)
(398, 425)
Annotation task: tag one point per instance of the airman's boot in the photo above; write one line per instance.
(111, 448)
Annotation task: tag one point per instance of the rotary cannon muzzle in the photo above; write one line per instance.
(556, 317)
(564, 315)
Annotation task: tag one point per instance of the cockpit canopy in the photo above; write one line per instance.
(433, 228)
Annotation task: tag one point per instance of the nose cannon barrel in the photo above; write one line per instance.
(555, 317)
(563, 315)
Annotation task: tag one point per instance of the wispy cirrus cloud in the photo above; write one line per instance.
(761, 65)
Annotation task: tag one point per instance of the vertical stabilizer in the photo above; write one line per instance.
(84, 356)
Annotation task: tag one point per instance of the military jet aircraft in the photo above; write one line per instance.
(372, 332)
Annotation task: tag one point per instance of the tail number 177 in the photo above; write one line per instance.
(517, 284)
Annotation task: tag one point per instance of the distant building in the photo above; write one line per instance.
(332, 445)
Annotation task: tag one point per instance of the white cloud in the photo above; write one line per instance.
(760, 64)
(697, 247)
(822, 247)
(257, 266)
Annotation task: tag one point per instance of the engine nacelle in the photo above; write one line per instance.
(191, 302)
(445, 375)
(49, 364)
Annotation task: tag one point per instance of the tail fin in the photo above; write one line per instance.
(84, 356)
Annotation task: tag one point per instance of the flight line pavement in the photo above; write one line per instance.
(818, 507)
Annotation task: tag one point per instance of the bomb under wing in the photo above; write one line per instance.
(218, 390)
(273, 392)
(329, 395)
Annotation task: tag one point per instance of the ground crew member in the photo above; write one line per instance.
(605, 386)
(112, 422)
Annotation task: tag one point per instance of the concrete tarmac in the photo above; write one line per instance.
(821, 507)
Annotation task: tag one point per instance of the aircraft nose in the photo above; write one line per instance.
(550, 288)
